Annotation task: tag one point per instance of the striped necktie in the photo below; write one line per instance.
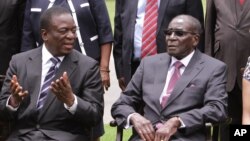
(149, 29)
(46, 83)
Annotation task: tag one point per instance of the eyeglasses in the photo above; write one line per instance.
(177, 32)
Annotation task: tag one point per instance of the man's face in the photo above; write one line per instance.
(60, 36)
(181, 40)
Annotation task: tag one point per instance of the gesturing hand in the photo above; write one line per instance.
(62, 89)
(17, 92)
(143, 127)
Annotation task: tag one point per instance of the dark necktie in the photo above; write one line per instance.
(149, 29)
(46, 83)
(176, 75)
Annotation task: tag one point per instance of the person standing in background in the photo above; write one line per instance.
(11, 23)
(139, 28)
(94, 32)
(246, 94)
(227, 35)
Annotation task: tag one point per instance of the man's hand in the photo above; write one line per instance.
(62, 89)
(105, 79)
(143, 127)
(167, 129)
(17, 92)
(121, 82)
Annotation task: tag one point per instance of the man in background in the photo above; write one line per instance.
(227, 32)
(11, 22)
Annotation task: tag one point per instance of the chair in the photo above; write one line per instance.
(209, 131)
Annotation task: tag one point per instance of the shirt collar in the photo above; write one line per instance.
(46, 55)
(184, 60)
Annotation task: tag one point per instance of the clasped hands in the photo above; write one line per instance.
(60, 87)
(145, 129)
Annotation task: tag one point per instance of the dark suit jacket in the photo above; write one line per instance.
(92, 17)
(11, 21)
(199, 95)
(54, 120)
(228, 36)
(125, 16)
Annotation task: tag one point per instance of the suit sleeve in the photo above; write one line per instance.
(130, 100)
(215, 103)
(118, 37)
(101, 16)
(5, 93)
(195, 9)
(28, 38)
(210, 22)
(90, 101)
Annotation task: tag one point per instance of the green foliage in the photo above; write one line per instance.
(110, 134)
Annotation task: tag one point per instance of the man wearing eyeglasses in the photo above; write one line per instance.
(178, 99)
(138, 31)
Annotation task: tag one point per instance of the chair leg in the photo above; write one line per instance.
(215, 134)
(119, 134)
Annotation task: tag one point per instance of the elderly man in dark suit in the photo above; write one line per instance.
(227, 30)
(53, 92)
(131, 23)
(181, 90)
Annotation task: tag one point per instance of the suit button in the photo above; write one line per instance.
(37, 126)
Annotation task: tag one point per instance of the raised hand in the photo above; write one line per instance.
(17, 92)
(62, 89)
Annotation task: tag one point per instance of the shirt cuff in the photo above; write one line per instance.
(182, 123)
(8, 106)
(72, 109)
(128, 121)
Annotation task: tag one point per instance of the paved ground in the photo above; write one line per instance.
(112, 94)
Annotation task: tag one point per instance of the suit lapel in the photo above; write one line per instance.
(161, 71)
(245, 10)
(68, 65)
(161, 13)
(34, 69)
(232, 6)
(194, 67)
(133, 4)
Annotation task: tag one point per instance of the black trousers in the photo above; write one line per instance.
(234, 112)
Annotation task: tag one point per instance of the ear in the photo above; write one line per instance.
(44, 34)
(196, 39)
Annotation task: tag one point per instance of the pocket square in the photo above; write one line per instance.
(191, 85)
